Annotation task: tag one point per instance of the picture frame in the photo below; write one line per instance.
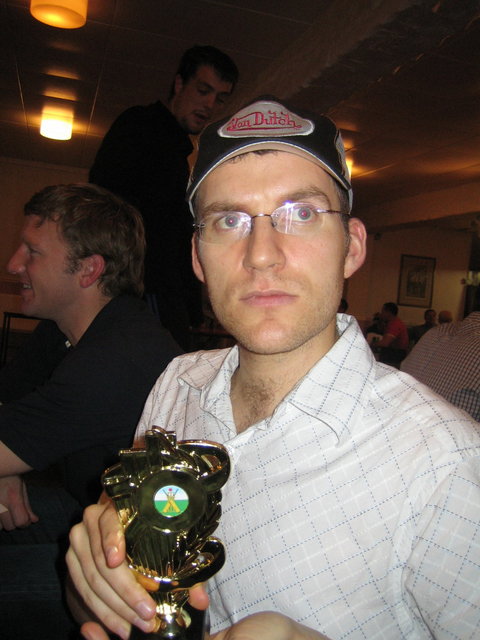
(415, 284)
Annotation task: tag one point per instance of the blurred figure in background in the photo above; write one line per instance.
(393, 344)
(444, 317)
(143, 159)
(415, 333)
(447, 360)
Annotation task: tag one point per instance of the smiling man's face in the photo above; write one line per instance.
(197, 100)
(49, 288)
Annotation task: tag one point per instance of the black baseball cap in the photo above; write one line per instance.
(266, 123)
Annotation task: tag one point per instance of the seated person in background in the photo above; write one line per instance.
(347, 512)
(374, 331)
(447, 359)
(393, 344)
(415, 333)
(73, 395)
(444, 317)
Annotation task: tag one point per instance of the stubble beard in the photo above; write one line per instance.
(270, 336)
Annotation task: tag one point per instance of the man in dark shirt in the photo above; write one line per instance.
(143, 158)
(416, 332)
(73, 395)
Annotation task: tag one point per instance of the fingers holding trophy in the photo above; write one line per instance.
(167, 497)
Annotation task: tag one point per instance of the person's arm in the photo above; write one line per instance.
(10, 463)
(386, 340)
(441, 573)
(15, 510)
(33, 362)
(101, 577)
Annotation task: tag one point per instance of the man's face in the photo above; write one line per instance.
(274, 292)
(430, 317)
(40, 261)
(196, 101)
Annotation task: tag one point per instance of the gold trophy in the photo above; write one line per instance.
(167, 497)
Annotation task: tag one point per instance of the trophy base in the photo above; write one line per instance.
(195, 631)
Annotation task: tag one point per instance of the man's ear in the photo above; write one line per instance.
(91, 270)
(177, 84)
(357, 250)
(197, 266)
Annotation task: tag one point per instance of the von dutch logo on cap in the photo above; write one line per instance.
(265, 118)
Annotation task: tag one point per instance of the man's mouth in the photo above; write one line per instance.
(268, 298)
(201, 116)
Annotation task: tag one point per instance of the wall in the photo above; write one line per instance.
(377, 280)
(19, 180)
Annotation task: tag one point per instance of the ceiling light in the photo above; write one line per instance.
(65, 14)
(56, 126)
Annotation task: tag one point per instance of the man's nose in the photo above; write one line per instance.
(210, 101)
(16, 264)
(264, 246)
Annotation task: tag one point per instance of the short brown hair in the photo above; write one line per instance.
(199, 55)
(92, 221)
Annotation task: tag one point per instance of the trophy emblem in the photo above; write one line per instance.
(167, 497)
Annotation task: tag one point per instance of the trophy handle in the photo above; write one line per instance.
(216, 457)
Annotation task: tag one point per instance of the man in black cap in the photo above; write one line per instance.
(354, 489)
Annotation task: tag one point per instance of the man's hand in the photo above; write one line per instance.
(265, 625)
(99, 572)
(93, 631)
(268, 626)
(14, 498)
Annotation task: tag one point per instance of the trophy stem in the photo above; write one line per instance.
(170, 629)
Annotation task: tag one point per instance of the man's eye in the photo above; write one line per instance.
(303, 213)
(229, 221)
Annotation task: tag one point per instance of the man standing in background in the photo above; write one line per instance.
(143, 158)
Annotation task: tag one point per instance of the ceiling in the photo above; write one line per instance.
(401, 78)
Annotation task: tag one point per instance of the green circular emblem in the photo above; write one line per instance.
(171, 501)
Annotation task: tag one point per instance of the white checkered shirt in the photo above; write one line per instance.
(353, 509)
(447, 359)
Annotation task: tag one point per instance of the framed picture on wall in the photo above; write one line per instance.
(415, 285)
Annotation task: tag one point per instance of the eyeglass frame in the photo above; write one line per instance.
(198, 226)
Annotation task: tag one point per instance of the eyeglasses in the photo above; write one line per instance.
(292, 218)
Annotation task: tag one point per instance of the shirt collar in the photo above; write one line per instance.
(333, 391)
